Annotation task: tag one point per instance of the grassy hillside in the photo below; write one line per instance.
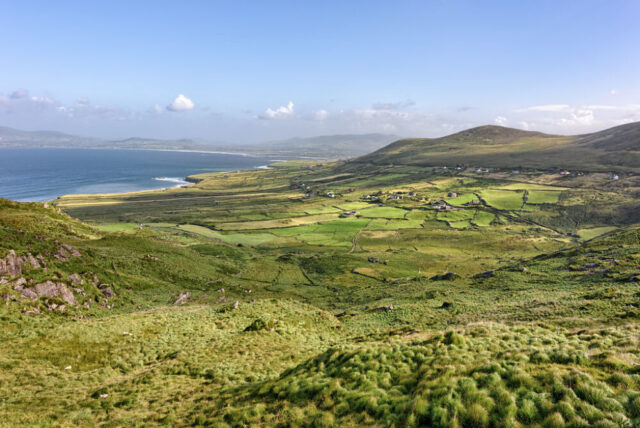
(615, 149)
(515, 306)
(323, 146)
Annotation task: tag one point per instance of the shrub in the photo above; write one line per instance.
(634, 407)
(528, 412)
(475, 416)
(453, 338)
(261, 324)
(554, 420)
(324, 420)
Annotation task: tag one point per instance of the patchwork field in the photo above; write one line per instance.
(316, 294)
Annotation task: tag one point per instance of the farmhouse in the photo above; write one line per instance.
(564, 172)
(452, 195)
(614, 176)
(439, 205)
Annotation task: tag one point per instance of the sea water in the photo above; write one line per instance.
(44, 174)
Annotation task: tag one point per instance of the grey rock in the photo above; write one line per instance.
(33, 261)
(26, 292)
(75, 279)
(55, 289)
(11, 264)
(182, 298)
(108, 292)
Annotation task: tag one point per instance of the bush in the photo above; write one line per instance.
(475, 416)
(528, 412)
(261, 324)
(554, 420)
(453, 338)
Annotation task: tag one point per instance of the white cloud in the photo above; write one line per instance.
(181, 103)
(500, 120)
(548, 108)
(320, 115)
(613, 92)
(281, 112)
(575, 119)
(582, 116)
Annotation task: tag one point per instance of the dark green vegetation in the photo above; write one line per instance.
(495, 146)
(388, 295)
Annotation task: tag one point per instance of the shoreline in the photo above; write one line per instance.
(189, 180)
(172, 182)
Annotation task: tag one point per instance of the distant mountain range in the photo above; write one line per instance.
(489, 146)
(326, 147)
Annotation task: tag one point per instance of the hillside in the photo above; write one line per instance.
(382, 298)
(616, 149)
(323, 147)
(294, 214)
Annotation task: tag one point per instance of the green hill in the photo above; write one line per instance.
(499, 147)
(240, 301)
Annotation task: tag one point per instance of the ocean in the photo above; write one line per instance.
(36, 175)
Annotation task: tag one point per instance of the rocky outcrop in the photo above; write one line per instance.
(107, 291)
(26, 292)
(75, 279)
(55, 289)
(12, 264)
(182, 298)
(46, 289)
(65, 252)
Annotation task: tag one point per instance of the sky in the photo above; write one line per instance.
(248, 71)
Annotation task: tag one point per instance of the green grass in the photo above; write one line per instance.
(251, 239)
(116, 227)
(536, 327)
(462, 199)
(383, 212)
(594, 232)
(483, 218)
(542, 197)
(503, 199)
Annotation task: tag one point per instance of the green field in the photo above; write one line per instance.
(594, 232)
(383, 212)
(398, 315)
(462, 199)
(542, 196)
(503, 199)
(483, 218)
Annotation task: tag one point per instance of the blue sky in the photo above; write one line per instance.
(239, 71)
